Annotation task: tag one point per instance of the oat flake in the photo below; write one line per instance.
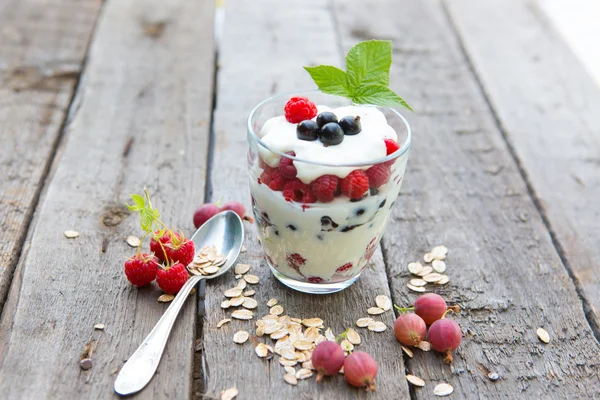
(418, 289)
(415, 267)
(223, 322)
(443, 280)
(378, 326)
(272, 302)
(250, 292)
(543, 335)
(375, 311)
(249, 303)
(352, 336)
(242, 314)
(443, 389)
(291, 379)
(236, 301)
(241, 337)
(415, 380)
(251, 279)
(425, 271)
(229, 394)
(408, 351)
(418, 282)
(71, 234)
(363, 322)
(438, 266)
(383, 302)
(424, 345)
(165, 298)
(233, 292)
(303, 373)
(133, 241)
(276, 310)
(433, 277)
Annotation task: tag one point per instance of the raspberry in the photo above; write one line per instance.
(314, 279)
(172, 279)
(295, 261)
(324, 187)
(299, 109)
(378, 175)
(355, 184)
(344, 267)
(390, 146)
(156, 248)
(141, 269)
(286, 166)
(295, 190)
(371, 247)
(276, 181)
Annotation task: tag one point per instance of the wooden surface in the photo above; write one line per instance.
(503, 171)
(227, 364)
(464, 190)
(140, 118)
(41, 58)
(548, 108)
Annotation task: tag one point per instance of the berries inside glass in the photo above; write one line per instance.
(321, 214)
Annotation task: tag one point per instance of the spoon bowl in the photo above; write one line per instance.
(225, 231)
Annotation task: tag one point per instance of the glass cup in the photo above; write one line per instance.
(317, 247)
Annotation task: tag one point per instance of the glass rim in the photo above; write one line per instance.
(398, 153)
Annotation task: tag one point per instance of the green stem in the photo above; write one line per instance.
(404, 309)
(342, 336)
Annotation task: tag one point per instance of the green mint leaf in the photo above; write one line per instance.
(380, 96)
(330, 79)
(368, 63)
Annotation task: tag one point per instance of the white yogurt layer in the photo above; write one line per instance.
(280, 135)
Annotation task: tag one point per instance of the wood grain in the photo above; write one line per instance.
(270, 61)
(41, 57)
(464, 190)
(141, 118)
(548, 107)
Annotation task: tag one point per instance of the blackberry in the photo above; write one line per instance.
(351, 125)
(307, 130)
(331, 134)
(325, 118)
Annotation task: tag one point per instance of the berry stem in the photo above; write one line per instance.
(448, 357)
(342, 336)
(404, 309)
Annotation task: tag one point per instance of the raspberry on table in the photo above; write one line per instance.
(378, 175)
(296, 190)
(155, 246)
(298, 109)
(286, 166)
(355, 184)
(324, 187)
(141, 269)
(172, 279)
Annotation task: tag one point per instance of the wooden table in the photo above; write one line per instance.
(99, 99)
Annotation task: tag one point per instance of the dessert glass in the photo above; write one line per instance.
(321, 247)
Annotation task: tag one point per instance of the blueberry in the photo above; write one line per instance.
(291, 227)
(325, 118)
(327, 224)
(382, 203)
(331, 134)
(360, 212)
(307, 130)
(351, 125)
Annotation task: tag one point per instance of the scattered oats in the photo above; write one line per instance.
(443, 280)
(249, 303)
(114, 370)
(291, 379)
(415, 267)
(229, 394)
(242, 284)
(250, 292)
(243, 249)
(223, 322)
(272, 327)
(316, 322)
(320, 339)
(71, 234)
(300, 356)
(434, 277)
(308, 365)
(378, 326)
(261, 350)
(260, 331)
(353, 336)
(251, 279)
(238, 276)
(375, 311)
(233, 292)
(425, 271)
(211, 269)
(296, 320)
(303, 373)
(428, 257)
(408, 351)
(287, 363)
(272, 302)
(418, 289)
(438, 266)
(99, 327)
(346, 345)
(242, 314)
(418, 282)
(288, 352)
(226, 304)
(241, 269)
(166, 298)
(443, 389)
(270, 317)
(279, 334)
(241, 337)
(364, 322)
(133, 241)
(383, 302)
(312, 333)
(439, 250)
(236, 301)
(424, 345)
(290, 370)
(493, 376)
(543, 335)
(415, 380)
(276, 310)
(329, 334)
(303, 344)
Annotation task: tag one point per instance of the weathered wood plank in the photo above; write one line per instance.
(141, 119)
(40, 59)
(548, 107)
(270, 60)
(464, 190)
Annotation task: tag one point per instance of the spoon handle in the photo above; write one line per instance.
(141, 366)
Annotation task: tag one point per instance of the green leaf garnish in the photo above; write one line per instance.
(149, 216)
(367, 76)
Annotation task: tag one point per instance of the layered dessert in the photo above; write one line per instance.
(323, 181)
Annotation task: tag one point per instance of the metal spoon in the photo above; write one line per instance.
(226, 232)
